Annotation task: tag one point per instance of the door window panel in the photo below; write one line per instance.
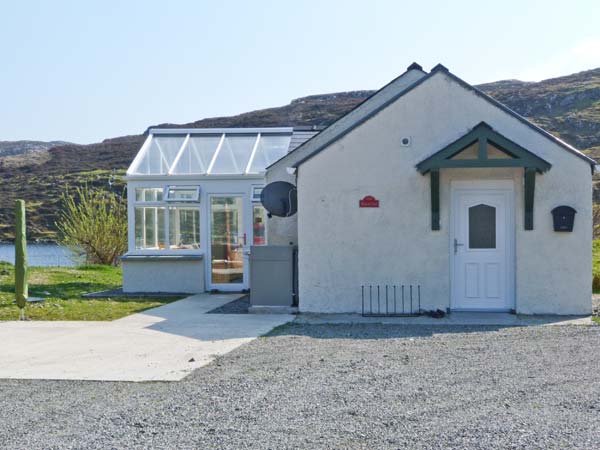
(482, 227)
(227, 240)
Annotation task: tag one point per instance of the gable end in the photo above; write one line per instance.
(361, 118)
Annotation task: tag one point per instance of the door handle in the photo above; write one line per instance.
(456, 245)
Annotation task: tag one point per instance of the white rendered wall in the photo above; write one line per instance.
(157, 276)
(342, 245)
(284, 231)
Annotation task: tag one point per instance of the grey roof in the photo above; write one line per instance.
(301, 135)
(375, 103)
(391, 92)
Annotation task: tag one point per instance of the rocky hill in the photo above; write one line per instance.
(567, 106)
(15, 148)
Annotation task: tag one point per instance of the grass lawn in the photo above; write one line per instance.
(62, 287)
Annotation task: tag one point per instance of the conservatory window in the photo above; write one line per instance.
(161, 226)
(148, 194)
(150, 228)
(183, 193)
(184, 228)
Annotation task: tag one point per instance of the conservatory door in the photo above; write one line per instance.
(227, 243)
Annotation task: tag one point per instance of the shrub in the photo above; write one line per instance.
(596, 219)
(94, 221)
(596, 283)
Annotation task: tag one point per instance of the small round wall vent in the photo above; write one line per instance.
(405, 141)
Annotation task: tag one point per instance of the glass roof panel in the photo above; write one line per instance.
(269, 149)
(234, 155)
(235, 151)
(160, 155)
(197, 155)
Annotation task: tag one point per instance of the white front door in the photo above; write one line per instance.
(481, 246)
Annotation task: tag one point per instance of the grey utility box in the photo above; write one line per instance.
(272, 275)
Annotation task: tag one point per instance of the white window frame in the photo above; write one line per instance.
(144, 236)
(253, 196)
(170, 187)
(178, 251)
(208, 186)
(164, 204)
(160, 188)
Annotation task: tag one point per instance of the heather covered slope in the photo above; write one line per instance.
(567, 106)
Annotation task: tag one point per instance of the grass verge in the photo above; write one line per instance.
(63, 289)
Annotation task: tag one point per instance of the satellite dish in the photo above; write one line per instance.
(279, 199)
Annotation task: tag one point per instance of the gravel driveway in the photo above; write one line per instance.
(340, 386)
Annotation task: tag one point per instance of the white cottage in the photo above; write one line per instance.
(428, 183)
(432, 183)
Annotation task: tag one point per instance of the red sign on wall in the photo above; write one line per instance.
(368, 202)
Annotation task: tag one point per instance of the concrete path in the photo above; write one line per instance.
(161, 344)
(455, 318)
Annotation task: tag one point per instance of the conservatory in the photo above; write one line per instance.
(194, 207)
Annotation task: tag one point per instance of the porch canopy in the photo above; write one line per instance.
(219, 152)
(482, 147)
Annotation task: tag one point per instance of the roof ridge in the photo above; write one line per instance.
(414, 66)
(362, 105)
(439, 68)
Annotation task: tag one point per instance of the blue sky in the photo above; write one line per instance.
(87, 70)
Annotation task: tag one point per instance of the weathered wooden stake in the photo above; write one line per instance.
(21, 287)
